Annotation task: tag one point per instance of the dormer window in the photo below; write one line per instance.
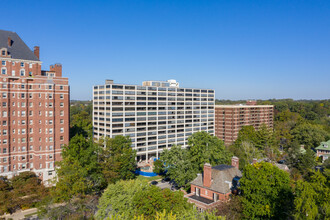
(3, 52)
(326, 146)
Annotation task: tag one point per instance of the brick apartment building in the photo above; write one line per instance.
(34, 110)
(229, 119)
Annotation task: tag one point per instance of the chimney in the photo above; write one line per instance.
(235, 162)
(254, 160)
(9, 42)
(57, 68)
(207, 175)
(36, 51)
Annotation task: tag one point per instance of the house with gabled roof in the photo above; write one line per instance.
(323, 150)
(216, 184)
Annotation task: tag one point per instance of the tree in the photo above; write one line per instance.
(159, 166)
(118, 198)
(118, 159)
(266, 192)
(154, 199)
(79, 173)
(246, 152)
(205, 148)
(312, 197)
(22, 191)
(178, 164)
(309, 135)
(300, 159)
(136, 199)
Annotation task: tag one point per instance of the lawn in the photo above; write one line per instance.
(149, 178)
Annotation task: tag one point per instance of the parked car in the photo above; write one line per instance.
(154, 183)
(166, 179)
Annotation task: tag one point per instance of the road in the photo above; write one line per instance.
(21, 214)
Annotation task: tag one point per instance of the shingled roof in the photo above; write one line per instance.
(18, 49)
(222, 177)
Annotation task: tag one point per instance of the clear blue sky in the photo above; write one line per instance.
(242, 49)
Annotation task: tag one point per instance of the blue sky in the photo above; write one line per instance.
(243, 49)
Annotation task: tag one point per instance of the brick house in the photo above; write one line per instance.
(214, 185)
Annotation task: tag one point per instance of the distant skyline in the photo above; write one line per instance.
(242, 49)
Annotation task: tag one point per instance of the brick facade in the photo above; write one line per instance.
(229, 119)
(34, 110)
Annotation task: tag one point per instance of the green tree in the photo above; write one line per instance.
(118, 198)
(118, 159)
(205, 148)
(266, 192)
(153, 199)
(79, 173)
(299, 159)
(178, 164)
(309, 135)
(159, 166)
(312, 198)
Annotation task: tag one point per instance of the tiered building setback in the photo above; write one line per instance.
(155, 116)
(229, 119)
(34, 110)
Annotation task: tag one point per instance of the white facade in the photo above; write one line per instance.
(155, 118)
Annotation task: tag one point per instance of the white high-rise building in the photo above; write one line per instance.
(155, 116)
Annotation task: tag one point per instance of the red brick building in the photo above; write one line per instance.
(34, 108)
(214, 185)
(229, 119)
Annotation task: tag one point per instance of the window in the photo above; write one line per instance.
(4, 114)
(22, 64)
(3, 52)
(61, 121)
(61, 138)
(50, 113)
(30, 65)
(22, 72)
(61, 96)
(50, 96)
(50, 122)
(61, 87)
(197, 191)
(61, 104)
(61, 130)
(3, 70)
(4, 95)
(62, 113)
(3, 63)
(50, 87)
